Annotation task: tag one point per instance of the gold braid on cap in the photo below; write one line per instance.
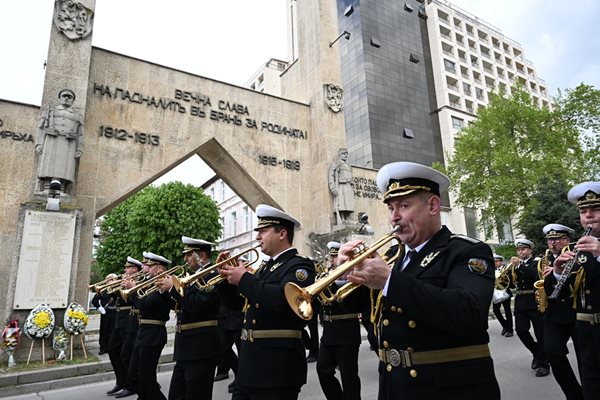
(590, 198)
(396, 186)
(270, 221)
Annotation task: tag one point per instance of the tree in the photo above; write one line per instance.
(154, 220)
(549, 207)
(514, 149)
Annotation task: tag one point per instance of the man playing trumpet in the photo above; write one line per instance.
(197, 338)
(431, 314)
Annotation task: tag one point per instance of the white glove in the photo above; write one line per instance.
(102, 310)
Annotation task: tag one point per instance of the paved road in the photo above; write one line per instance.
(512, 363)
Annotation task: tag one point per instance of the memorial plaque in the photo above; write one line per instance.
(45, 260)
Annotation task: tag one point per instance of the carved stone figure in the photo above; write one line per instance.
(74, 20)
(333, 96)
(341, 187)
(59, 141)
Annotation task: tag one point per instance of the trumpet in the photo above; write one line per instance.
(148, 286)
(349, 287)
(300, 299)
(502, 278)
(98, 287)
(181, 283)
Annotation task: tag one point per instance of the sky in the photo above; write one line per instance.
(228, 40)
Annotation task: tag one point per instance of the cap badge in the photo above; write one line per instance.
(301, 275)
(428, 259)
(582, 259)
(477, 265)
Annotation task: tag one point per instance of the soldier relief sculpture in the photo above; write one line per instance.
(341, 187)
(59, 142)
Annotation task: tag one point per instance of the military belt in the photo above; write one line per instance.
(530, 291)
(112, 308)
(126, 308)
(592, 318)
(250, 334)
(152, 322)
(406, 358)
(202, 324)
(335, 317)
(134, 311)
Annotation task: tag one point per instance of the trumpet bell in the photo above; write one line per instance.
(300, 300)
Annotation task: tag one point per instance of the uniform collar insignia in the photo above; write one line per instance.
(274, 267)
(582, 259)
(428, 259)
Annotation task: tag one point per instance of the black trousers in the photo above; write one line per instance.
(130, 358)
(589, 353)
(312, 344)
(346, 357)
(229, 359)
(193, 380)
(107, 325)
(524, 319)
(114, 354)
(556, 337)
(246, 393)
(149, 388)
(505, 320)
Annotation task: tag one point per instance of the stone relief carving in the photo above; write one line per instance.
(333, 97)
(59, 141)
(341, 187)
(73, 19)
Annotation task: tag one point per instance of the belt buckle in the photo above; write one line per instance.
(247, 335)
(327, 318)
(397, 358)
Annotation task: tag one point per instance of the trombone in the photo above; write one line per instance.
(148, 286)
(180, 283)
(300, 299)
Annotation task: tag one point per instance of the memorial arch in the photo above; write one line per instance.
(142, 119)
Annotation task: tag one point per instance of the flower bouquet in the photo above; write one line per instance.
(10, 341)
(75, 319)
(60, 342)
(39, 322)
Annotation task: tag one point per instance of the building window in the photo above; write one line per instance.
(222, 222)
(222, 190)
(457, 123)
(246, 216)
(212, 193)
(479, 93)
(504, 230)
(233, 223)
(471, 222)
(449, 66)
(466, 88)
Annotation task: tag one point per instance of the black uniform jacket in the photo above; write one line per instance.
(560, 310)
(343, 332)
(153, 307)
(278, 362)
(439, 301)
(122, 317)
(588, 294)
(230, 312)
(526, 274)
(195, 306)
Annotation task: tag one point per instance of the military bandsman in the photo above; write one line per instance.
(584, 258)
(431, 315)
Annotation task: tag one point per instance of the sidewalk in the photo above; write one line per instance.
(61, 376)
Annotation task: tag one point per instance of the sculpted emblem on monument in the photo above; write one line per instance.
(59, 141)
(333, 97)
(341, 187)
(73, 19)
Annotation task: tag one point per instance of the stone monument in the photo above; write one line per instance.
(341, 187)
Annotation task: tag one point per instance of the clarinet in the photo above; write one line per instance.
(567, 271)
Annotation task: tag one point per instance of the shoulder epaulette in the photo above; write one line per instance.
(466, 238)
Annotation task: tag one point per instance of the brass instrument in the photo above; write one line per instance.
(148, 286)
(503, 278)
(300, 299)
(181, 283)
(104, 283)
(350, 287)
(541, 297)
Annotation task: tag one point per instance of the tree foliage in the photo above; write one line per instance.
(154, 220)
(513, 149)
(549, 207)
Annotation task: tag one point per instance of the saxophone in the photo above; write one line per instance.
(541, 297)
